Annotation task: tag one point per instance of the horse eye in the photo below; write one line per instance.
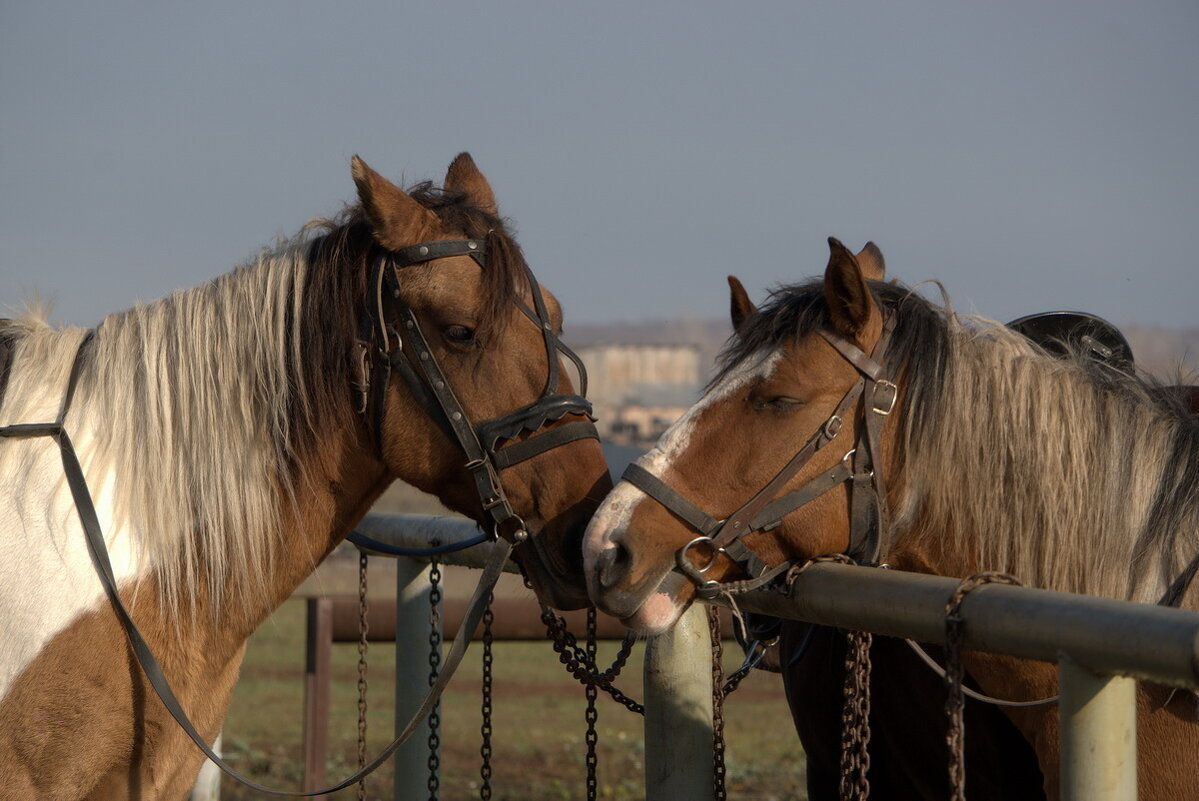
(459, 334)
(781, 403)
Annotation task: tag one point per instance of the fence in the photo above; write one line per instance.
(1102, 647)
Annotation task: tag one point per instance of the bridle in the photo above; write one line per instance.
(861, 467)
(388, 323)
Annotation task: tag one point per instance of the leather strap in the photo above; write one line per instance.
(543, 441)
(673, 500)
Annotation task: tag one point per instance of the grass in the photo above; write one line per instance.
(537, 721)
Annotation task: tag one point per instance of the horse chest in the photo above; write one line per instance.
(47, 581)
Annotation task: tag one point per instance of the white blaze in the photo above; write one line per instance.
(617, 509)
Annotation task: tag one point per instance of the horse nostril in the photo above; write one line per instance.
(614, 564)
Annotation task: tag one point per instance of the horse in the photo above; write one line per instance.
(974, 448)
(233, 434)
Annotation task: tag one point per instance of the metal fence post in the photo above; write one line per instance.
(678, 711)
(317, 673)
(1098, 735)
(412, 675)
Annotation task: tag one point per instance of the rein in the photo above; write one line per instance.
(861, 467)
(479, 443)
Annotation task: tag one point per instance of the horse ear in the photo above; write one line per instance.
(741, 307)
(845, 291)
(396, 218)
(874, 266)
(463, 176)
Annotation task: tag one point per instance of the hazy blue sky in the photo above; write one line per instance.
(1028, 154)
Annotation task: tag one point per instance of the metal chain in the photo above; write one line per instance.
(363, 629)
(719, 791)
(855, 714)
(592, 714)
(956, 701)
(485, 728)
(434, 762)
(754, 655)
(582, 667)
(855, 718)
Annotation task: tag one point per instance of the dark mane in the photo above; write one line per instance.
(335, 285)
(506, 272)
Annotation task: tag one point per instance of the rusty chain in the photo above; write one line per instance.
(855, 713)
(718, 745)
(591, 715)
(583, 668)
(855, 718)
(363, 629)
(434, 761)
(956, 701)
(485, 728)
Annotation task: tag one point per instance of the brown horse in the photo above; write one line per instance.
(232, 435)
(996, 456)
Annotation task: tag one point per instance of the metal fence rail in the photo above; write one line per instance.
(1102, 646)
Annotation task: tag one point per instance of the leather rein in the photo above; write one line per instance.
(481, 445)
(861, 468)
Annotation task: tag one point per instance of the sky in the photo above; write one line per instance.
(1028, 155)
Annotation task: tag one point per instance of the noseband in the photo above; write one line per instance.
(861, 467)
(389, 321)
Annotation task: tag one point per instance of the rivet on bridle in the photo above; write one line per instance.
(472, 245)
(424, 251)
(424, 354)
(457, 415)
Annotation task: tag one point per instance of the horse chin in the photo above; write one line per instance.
(557, 583)
(659, 612)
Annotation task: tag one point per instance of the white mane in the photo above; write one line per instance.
(185, 410)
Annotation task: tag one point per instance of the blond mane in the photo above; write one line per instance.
(1064, 473)
(193, 412)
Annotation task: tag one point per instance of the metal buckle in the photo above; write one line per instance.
(891, 393)
(832, 426)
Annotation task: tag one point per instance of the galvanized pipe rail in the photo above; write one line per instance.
(1101, 647)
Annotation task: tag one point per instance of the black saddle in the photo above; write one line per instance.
(1062, 333)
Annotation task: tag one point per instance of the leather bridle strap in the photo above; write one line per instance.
(418, 366)
(483, 472)
(764, 511)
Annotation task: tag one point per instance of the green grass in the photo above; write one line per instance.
(537, 721)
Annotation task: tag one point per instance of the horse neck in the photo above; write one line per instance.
(223, 413)
(1030, 466)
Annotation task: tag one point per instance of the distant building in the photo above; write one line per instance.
(639, 390)
(648, 411)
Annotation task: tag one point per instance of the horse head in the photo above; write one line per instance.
(694, 510)
(458, 371)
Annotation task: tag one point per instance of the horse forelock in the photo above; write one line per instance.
(504, 277)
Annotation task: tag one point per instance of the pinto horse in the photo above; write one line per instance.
(231, 436)
(996, 455)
